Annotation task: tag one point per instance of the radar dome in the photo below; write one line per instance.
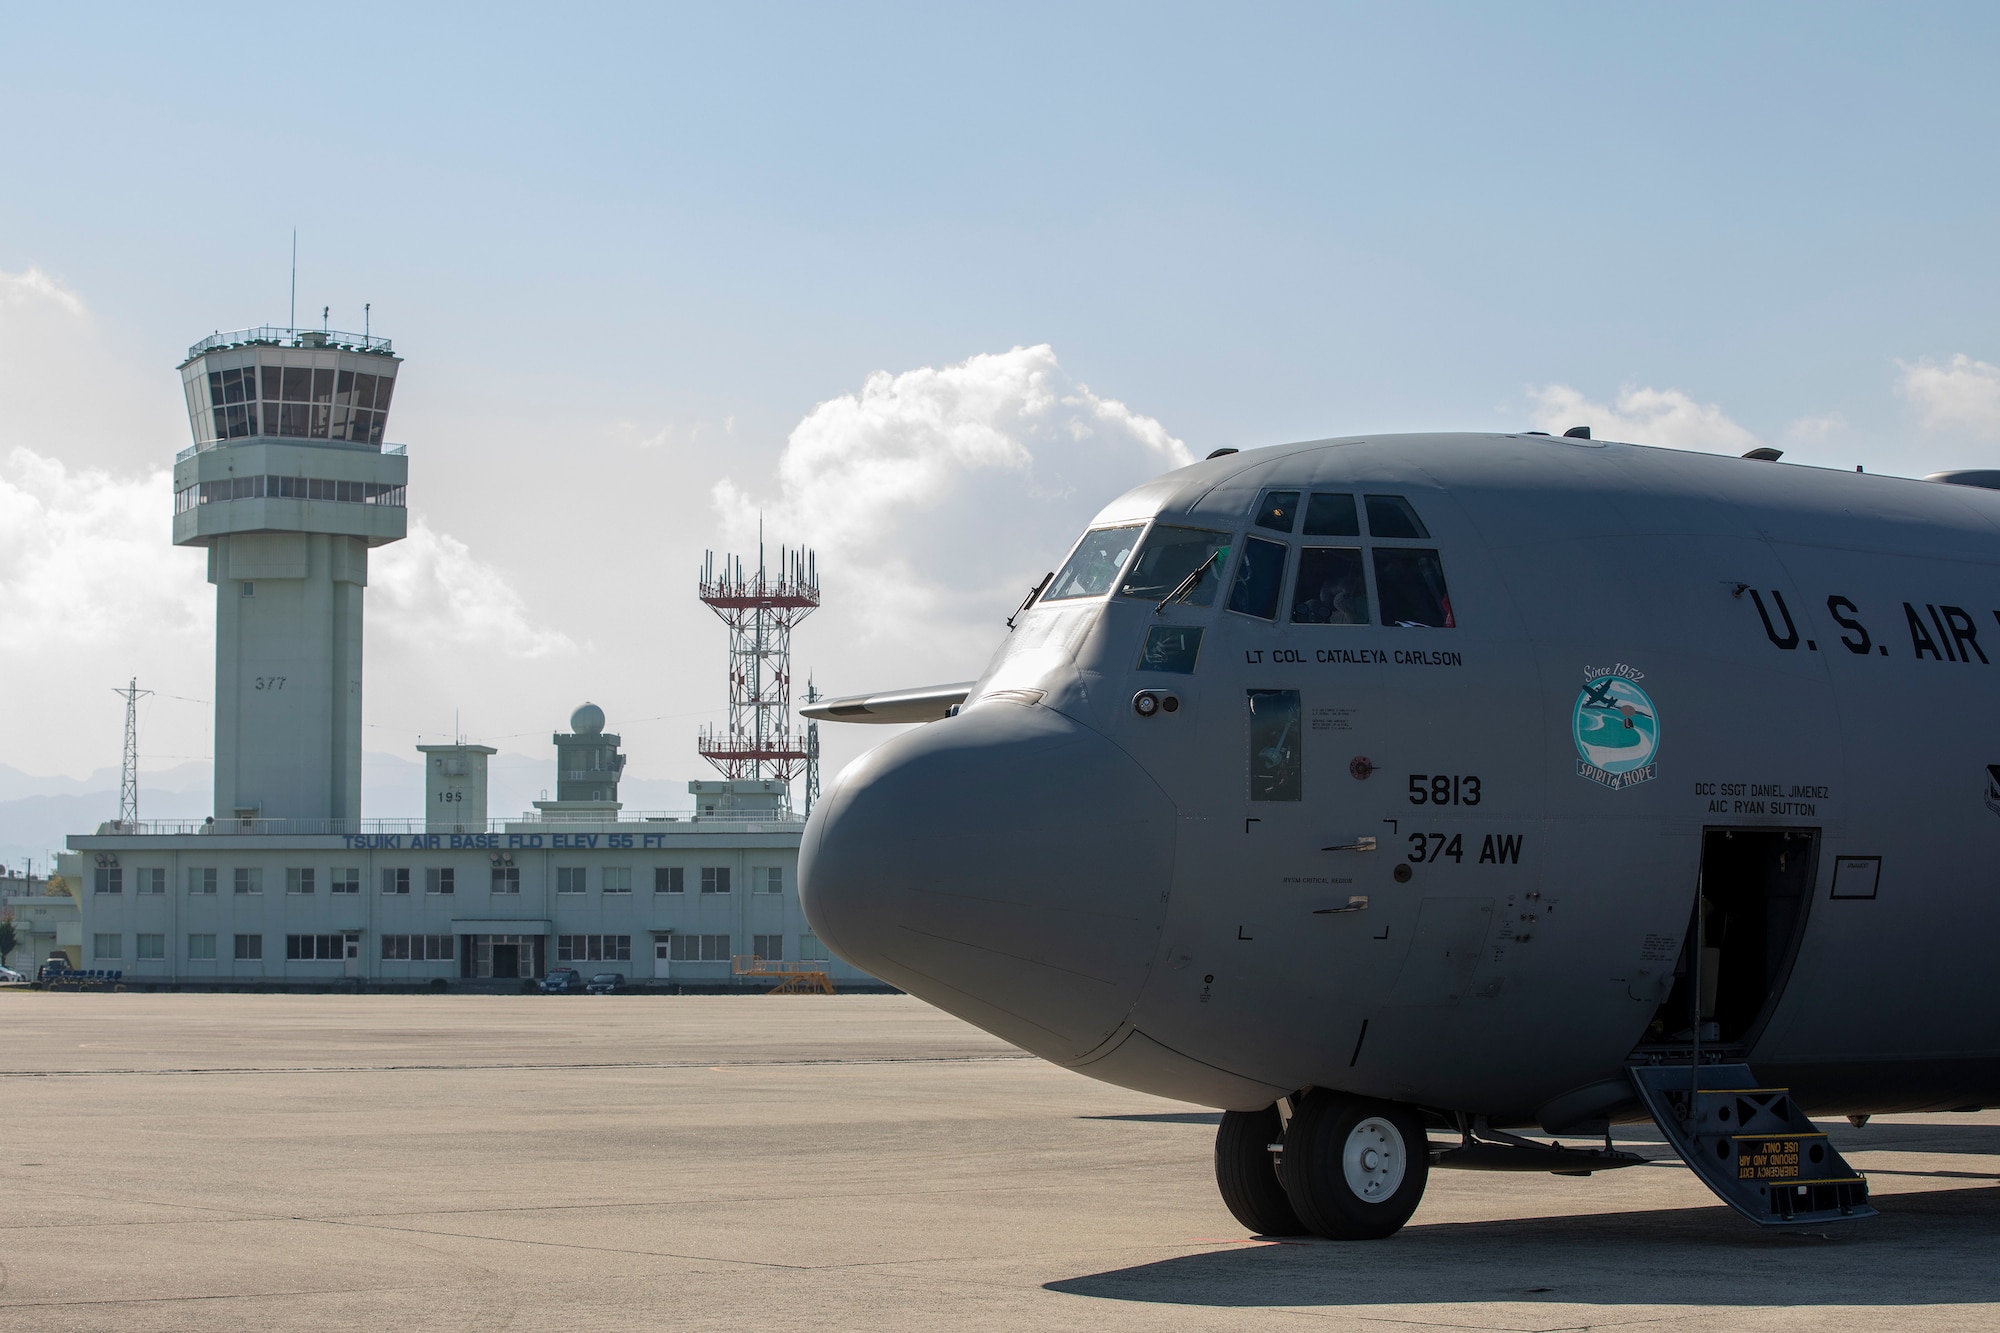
(587, 720)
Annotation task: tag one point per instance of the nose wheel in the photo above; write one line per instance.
(1353, 1169)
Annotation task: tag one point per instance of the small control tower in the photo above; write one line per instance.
(455, 787)
(588, 766)
(289, 484)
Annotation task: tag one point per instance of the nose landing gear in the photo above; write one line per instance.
(1349, 1168)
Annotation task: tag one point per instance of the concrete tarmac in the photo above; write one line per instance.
(446, 1162)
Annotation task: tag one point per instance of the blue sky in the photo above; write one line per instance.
(1282, 221)
(628, 251)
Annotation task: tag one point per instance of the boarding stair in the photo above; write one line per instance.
(1752, 1145)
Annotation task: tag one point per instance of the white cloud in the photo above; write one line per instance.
(1666, 418)
(80, 558)
(936, 497)
(64, 384)
(1962, 393)
(433, 581)
(1815, 430)
(91, 592)
(36, 287)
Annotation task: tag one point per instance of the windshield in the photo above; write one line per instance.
(1092, 570)
(1169, 556)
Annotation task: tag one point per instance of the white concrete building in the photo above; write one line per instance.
(45, 924)
(666, 899)
(288, 485)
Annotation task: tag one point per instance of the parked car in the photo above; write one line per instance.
(606, 983)
(8, 975)
(562, 981)
(53, 969)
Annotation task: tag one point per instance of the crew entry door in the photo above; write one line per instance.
(1754, 892)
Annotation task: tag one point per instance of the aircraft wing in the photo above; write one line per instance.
(926, 703)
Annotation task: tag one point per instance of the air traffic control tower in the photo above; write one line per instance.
(288, 484)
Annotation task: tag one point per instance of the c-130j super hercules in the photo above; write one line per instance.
(1407, 797)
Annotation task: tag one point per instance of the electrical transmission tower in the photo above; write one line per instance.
(760, 610)
(128, 777)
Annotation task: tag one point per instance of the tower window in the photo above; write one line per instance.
(249, 590)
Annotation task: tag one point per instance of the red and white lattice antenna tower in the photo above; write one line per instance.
(760, 609)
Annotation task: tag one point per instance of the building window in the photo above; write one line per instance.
(767, 879)
(770, 948)
(700, 949)
(310, 948)
(618, 879)
(153, 879)
(811, 950)
(249, 948)
(569, 879)
(250, 879)
(249, 590)
(201, 947)
(108, 946)
(149, 948)
(593, 948)
(298, 879)
(715, 879)
(201, 880)
(669, 879)
(506, 879)
(440, 879)
(419, 948)
(396, 881)
(346, 880)
(110, 879)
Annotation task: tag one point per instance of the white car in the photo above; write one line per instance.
(9, 975)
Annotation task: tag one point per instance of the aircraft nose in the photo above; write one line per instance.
(1007, 865)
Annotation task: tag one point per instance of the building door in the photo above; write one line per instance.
(506, 960)
(663, 949)
(352, 955)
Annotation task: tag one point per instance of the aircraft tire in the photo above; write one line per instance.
(1246, 1173)
(1354, 1169)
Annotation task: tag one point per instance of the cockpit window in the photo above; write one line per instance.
(1259, 576)
(1331, 515)
(1410, 582)
(1331, 589)
(1279, 511)
(1391, 516)
(1169, 556)
(1094, 568)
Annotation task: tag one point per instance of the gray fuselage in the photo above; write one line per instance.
(1643, 647)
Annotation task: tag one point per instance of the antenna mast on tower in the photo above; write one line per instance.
(128, 775)
(813, 696)
(760, 610)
